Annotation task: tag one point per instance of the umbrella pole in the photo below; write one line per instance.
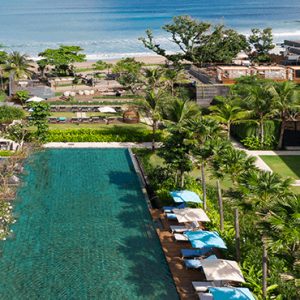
(237, 234)
(203, 187)
(221, 212)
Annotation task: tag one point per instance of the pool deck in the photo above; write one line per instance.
(182, 277)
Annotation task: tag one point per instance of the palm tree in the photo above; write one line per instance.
(153, 78)
(19, 65)
(287, 100)
(228, 113)
(232, 162)
(260, 102)
(152, 107)
(281, 225)
(262, 189)
(201, 131)
(171, 76)
(179, 111)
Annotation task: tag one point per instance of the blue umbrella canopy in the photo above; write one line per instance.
(225, 293)
(205, 239)
(185, 196)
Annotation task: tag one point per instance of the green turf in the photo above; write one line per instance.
(285, 165)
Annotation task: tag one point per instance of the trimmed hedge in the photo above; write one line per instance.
(135, 135)
(250, 129)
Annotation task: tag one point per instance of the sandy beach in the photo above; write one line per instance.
(153, 59)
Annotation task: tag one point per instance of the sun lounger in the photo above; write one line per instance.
(196, 262)
(180, 237)
(178, 228)
(171, 216)
(169, 209)
(201, 286)
(205, 296)
(194, 252)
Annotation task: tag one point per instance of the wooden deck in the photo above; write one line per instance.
(182, 277)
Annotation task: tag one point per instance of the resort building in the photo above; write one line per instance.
(276, 73)
(228, 74)
(292, 51)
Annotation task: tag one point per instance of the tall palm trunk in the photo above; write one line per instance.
(261, 129)
(153, 134)
(228, 130)
(282, 128)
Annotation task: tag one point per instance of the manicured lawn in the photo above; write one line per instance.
(285, 165)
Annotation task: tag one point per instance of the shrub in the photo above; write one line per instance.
(115, 134)
(247, 133)
(253, 143)
(10, 113)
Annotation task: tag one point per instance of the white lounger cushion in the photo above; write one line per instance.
(201, 286)
(205, 296)
(180, 237)
(178, 228)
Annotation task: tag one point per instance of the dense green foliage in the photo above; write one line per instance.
(262, 42)
(40, 111)
(62, 59)
(111, 134)
(199, 42)
(264, 201)
(247, 132)
(10, 113)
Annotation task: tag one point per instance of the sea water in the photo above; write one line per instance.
(111, 28)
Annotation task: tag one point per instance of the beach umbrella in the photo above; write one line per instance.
(223, 270)
(184, 215)
(107, 109)
(35, 99)
(205, 239)
(185, 196)
(226, 293)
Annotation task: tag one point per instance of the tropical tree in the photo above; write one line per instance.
(262, 189)
(18, 133)
(262, 42)
(18, 65)
(62, 59)
(175, 152)
(260, 103)
(172, 76)
(101, 65)
(227, 112)
(22, 96)
(286, 102)
(152, 108)
(40, 111)
(198, 42)
(281, 226)
(130, 73)
(153, 78)
(179, 111)
(232, 162)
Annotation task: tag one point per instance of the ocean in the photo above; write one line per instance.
(111, 28)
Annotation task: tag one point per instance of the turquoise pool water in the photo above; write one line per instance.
(83, 231)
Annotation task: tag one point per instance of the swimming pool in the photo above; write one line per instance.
(83, 231)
